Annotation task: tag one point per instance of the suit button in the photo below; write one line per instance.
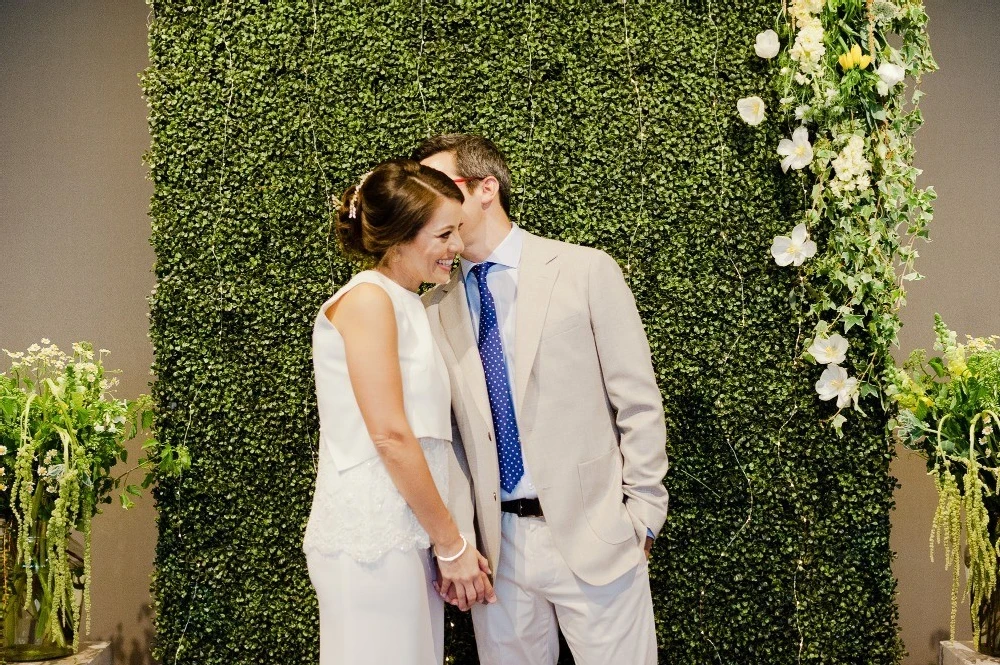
(494, 496)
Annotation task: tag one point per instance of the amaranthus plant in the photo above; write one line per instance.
(62, 433)
(949, 412)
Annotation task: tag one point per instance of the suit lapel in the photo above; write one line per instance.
(457, 324)
(535, 279)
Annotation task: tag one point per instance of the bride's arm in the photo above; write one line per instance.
(365, 319)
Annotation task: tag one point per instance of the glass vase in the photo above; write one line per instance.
(29, 633)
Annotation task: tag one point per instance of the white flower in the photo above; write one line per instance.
(99, 428)
(800, 111)
(795, 249)
(802, 79)
(803, 9)
(767, 45)
(46, 341)
(830, 350)
(118, 419)
(42, 470)
(808, 48)
(3, 450)
(797, 151)
(889, 75)
(851, 166)
(834, 382)
(34, 348)
(751, 110)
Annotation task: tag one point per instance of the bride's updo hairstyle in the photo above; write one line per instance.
(390, 205)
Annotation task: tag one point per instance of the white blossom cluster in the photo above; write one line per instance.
(808, 49)
(852, 168)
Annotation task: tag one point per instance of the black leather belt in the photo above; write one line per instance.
(522, 507)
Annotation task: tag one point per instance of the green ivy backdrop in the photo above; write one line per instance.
(618, 119)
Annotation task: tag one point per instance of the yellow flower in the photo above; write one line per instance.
(854, 58)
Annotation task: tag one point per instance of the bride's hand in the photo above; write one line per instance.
(464, 581)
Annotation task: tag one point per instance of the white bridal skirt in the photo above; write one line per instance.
(380, 613)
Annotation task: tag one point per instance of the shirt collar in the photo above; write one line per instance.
(507, 253)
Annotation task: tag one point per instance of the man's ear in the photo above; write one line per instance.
(489, 191)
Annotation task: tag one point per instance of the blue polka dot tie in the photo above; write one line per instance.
(498, 385)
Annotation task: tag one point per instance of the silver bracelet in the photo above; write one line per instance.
(449, 559)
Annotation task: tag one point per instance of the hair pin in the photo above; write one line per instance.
(354, 198)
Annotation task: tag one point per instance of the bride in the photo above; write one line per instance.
(385, 453)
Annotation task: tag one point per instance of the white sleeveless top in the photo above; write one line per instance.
(356, 507)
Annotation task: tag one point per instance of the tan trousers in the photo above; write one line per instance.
(537, 593)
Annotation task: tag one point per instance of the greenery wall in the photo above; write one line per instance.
(619, 122)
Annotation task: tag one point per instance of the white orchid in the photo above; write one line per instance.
(797, 151)
(751, 109)
(793, 250)
(767, 45)
(834, 382)
(830, 350)
(889, 75)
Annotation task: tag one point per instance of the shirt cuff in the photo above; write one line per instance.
(649, 534)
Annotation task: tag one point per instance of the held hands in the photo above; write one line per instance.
(465, 580)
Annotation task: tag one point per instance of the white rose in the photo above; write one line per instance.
(751, 109)
(797, 151)
(889, 75)
(830, 350)
(767, 45)
(794, 249)
(834, 382)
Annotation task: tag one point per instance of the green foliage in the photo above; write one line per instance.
(776, 548)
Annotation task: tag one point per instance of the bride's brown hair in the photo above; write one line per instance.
(390, 205)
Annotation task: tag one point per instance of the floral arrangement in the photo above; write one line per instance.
(61, 435)
(949, 412)
(839, 81)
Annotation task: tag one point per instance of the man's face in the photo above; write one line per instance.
(473, 206)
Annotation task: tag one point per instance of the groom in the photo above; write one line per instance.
(558, 411)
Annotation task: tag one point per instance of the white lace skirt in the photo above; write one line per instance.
(360, 512)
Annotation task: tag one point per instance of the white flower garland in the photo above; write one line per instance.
(853, 134)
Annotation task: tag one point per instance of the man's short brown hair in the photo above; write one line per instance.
(476, 157)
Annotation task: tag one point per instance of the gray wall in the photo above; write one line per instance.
(959, 151)
(74, 231)
(76, 260)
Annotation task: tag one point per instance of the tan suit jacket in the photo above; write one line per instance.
(588, 409)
